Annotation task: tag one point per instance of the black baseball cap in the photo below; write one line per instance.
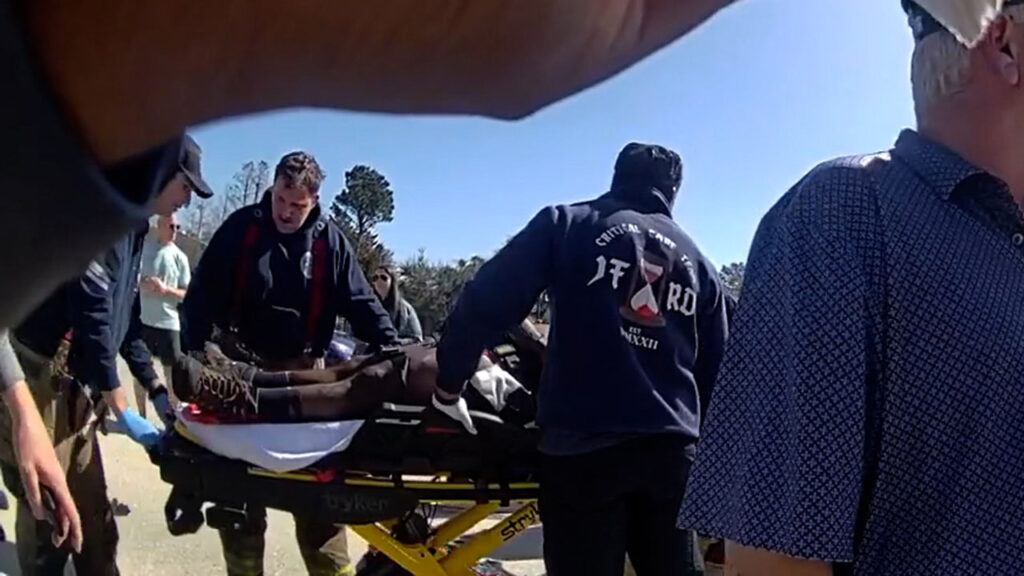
(190, 166)
(646, 166)
(923, 24)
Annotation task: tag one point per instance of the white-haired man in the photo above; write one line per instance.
(165, 275)
(867, 418)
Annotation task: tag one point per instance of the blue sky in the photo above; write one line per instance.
(751, 100)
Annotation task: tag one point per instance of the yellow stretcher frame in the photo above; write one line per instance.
(436, 556)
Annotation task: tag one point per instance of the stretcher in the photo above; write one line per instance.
(386, 485)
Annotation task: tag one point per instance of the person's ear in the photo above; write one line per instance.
(1002, 50)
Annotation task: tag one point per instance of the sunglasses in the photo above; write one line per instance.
(175, 227)
(377, 277)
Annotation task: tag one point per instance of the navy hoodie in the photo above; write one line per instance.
(278, 287)
(103, 312)
(638, 321)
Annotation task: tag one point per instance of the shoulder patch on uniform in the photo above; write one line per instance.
(98, 275)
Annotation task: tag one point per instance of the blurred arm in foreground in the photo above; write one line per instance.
(37, 461)
(501, 59)
(97, 82)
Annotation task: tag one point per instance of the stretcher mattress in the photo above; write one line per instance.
(275, 447)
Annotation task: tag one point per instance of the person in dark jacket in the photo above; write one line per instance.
(68, 348)
(731, 302)
(638, 328)
(403, 315)
(269, 289)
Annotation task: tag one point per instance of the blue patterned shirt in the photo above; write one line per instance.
(870, 407)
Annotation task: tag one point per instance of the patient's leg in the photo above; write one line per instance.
(330, 374)
(235, 391)
(269, 374)
(354, 388)
(285, 378)
(336, 373)
(353, 397)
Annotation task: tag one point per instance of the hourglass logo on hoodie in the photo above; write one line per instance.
(647, 291)
(654, 283)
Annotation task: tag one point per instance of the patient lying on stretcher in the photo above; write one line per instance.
(352, 390)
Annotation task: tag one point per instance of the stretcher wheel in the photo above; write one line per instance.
(377, 564)
(224, 518)
(183, 512)
(185, 522)
(413, 529)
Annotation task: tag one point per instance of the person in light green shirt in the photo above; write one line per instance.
(165, 274)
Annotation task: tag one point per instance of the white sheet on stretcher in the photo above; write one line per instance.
(288, 447)
(276, 447)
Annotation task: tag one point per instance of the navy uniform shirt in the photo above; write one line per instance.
(637, 324)
(278, 288)
(869, 411)
(104, 314)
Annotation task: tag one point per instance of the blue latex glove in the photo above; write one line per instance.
(163, 406)
(138, 428)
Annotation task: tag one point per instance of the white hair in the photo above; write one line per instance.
(941, 65)
(939, 68)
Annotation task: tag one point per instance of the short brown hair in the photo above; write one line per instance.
(300, 169)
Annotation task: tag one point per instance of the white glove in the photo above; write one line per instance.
(456, 410)
(495, 385)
